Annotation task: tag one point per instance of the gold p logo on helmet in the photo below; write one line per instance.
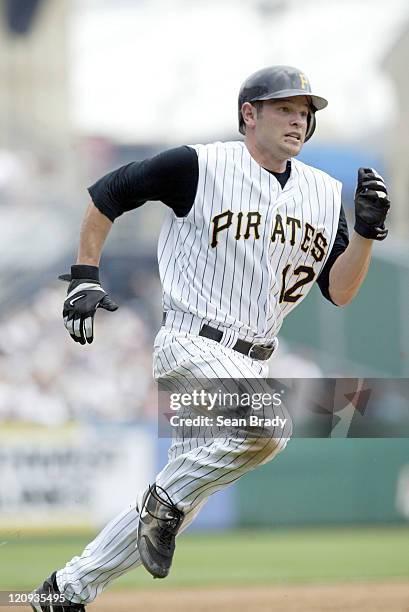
(303, 81)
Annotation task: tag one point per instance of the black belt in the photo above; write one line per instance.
(255, 351)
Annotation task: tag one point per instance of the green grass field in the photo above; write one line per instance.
(230, 558)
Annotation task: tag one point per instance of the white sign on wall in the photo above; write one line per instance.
(72, 475)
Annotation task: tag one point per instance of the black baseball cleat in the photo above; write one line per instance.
(159, 523)
(47, 598)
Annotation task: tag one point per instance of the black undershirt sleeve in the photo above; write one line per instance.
(340, 244)
(170, 177)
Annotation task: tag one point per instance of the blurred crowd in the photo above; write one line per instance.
(46, 378)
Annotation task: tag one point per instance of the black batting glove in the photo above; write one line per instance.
(84, 296)
(371, 205)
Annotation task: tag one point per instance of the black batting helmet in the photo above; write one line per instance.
(279, 82)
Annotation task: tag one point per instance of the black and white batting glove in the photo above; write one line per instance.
(371, 205)
(84, 296)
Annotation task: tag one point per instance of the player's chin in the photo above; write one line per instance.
(292, 146)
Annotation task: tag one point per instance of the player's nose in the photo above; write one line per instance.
(298, 118)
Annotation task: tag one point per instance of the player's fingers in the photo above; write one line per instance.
(82, 330)
(78, 330)
(89, 329)
(382, 194)
(76, 327)
(369, 175)
(375, 173)
(108, 304)
(377, 197)
(374, 184)
(367, 171)
(363, 173)
(65, 277)
(69, 325)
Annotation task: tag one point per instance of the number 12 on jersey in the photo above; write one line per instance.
(306, 275)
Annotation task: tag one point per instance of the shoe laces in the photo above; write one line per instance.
(167, 526)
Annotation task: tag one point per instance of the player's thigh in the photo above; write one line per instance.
(192, 364)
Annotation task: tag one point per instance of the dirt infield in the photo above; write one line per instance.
(343, 597)
(391, 596)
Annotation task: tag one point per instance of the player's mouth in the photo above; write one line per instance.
(294, 136)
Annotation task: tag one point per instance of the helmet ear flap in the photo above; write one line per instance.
(241, 120)
(310, 126)
(241, 126)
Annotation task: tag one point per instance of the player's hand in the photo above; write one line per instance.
(84, 296)
(371, 205)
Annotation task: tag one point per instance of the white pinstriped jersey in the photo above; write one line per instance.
(248, 251)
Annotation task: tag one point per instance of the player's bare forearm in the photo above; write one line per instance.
(349, 270)
(94, 230)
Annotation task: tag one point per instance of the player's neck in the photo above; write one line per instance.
(265, 159)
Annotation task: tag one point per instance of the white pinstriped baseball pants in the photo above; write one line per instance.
(196, 468)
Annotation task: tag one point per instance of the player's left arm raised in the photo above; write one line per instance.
(371, 207)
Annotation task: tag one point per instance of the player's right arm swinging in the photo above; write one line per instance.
(94, 231)
(85, 293)
(170, 177)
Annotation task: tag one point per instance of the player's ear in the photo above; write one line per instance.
(249, 114)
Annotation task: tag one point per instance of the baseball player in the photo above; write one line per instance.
(248, 230)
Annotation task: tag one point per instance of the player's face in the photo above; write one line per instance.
(280, 127)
